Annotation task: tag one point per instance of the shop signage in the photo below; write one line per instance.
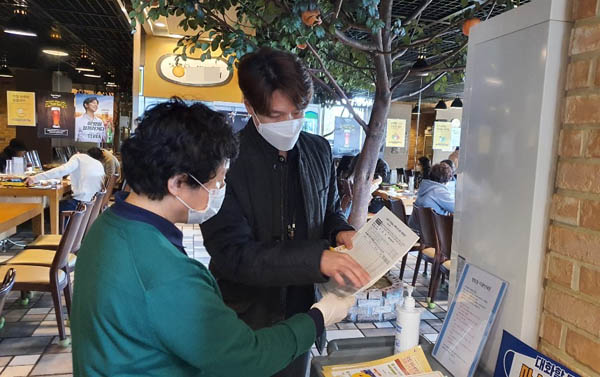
(55, 114)
(94, 118)
(346, 137)
(469, 320)
(517, 359)
(396, 133)
(20, 108)
(193, 72)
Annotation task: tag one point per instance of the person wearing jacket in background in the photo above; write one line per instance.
(15, 148)
(270, 242)
(433, 193)
(141, 306)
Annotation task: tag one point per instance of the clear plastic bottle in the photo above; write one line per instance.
(408, 321)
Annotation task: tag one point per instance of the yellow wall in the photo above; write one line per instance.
(155, 86)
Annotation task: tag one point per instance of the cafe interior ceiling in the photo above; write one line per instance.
(99, 25)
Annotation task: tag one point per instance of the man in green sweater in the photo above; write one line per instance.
(141, 306)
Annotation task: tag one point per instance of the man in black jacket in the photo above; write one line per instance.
(269, 243)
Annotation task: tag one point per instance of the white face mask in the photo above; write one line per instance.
(282, 135)
(215, 200)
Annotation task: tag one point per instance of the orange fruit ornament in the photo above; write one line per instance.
(311, 17)
(468, 24)
(302, 46)
(178, 71)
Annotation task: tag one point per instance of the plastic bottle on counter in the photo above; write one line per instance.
(411, 184)
(408, 321)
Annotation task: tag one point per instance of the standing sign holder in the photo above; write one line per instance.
(469, 320)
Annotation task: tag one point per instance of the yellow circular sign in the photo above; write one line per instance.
(178, 71)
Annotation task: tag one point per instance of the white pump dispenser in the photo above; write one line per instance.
(408, 321)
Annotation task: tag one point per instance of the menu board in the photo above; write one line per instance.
(20, 108)
(469, 319)
(55, 114)
(396, 133)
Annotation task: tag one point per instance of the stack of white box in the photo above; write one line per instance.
(374, 305)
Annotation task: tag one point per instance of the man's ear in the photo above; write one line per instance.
(175, 183)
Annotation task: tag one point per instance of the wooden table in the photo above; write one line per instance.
(13, 214)
(54, 195)
(408, 200)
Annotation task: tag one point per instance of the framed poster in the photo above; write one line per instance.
(94, 118)
(346, 136)
(442, 135)
(20, 108)
(396, 133)
(55, 114)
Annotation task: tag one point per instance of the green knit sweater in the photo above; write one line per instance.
(142, 308)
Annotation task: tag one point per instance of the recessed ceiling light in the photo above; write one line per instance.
(159, 24)
(92, 75)
(54, 52)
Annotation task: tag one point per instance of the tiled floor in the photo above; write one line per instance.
(28, 341)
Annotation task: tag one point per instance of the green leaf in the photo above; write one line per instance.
(319, 32)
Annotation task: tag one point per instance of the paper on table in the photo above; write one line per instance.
(378, 246)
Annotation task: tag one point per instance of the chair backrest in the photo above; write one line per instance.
(89, 206)
(109, 186)
(397, 208)
(425, 217)
(95, 211)
(68, 239)
(345, 193)
(443, 230)
(7, 284)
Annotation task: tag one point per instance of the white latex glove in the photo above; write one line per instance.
(334, 308)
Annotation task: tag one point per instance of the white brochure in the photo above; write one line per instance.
(378, 246)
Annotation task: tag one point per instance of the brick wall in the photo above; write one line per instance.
(6, 133)
(570, 324)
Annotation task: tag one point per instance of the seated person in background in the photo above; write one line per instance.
(15, 148)
(454, 158)
(452, 182)
(109, 161)
(382, 169)
(87, 176)
(161, 312)
(423, 168)
(433, 193)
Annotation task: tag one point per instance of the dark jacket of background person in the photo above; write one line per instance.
(252, 268)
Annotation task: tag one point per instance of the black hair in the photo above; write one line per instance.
(266, 70)
(88, 100)
(174, 138)
(426, 165)
(441, 173)
(96, 153)
(449, 163)
(382, 170)
(343, 169)
(13, 147)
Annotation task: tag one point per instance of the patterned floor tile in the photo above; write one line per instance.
(24, 346)
(49, 328)
(22, 370)
(18, 329)
(53, 364)
(24, 360)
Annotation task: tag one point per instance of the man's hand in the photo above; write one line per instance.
(345, 238)
(29, 181)
(338, 265)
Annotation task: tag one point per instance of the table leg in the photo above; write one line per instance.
(54, 215)
(38, 224)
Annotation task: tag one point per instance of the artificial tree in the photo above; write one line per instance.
(350, 47)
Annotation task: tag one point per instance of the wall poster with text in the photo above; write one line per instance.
(20, 108)
(94, 118)
(55, 114)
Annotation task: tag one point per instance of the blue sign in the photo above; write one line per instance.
(517, 359)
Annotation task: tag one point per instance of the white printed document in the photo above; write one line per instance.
(378, 246)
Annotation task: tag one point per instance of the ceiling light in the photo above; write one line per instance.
(416, 110)
(54, 45)
(19, 23)
(92, 75)
(456, 103)
(84, 63)
(4, 70)
(420, 65)
(441, 105)
(159, 24)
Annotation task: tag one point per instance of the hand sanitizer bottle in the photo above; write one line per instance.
(408, 321)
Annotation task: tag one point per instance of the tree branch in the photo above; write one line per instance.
(447, 58)
(400, 81)
(344, 99)
(338, 8)
(418, 11)
(429, 84)
(344, 39)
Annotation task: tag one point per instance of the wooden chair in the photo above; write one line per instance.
(397, 207)
(7, 284)
(428, 238)
(54, 278)
(109, 187)
(345, 193)
(38, 256)
(441, 267)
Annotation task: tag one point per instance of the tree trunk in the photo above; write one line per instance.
(365, 167)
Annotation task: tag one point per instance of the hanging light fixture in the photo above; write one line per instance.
(4, 70)
(19, 23)
(456, 103)
(420, 65)
(441, 105)
(416, 110)
(84, 63)
(54, 45)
